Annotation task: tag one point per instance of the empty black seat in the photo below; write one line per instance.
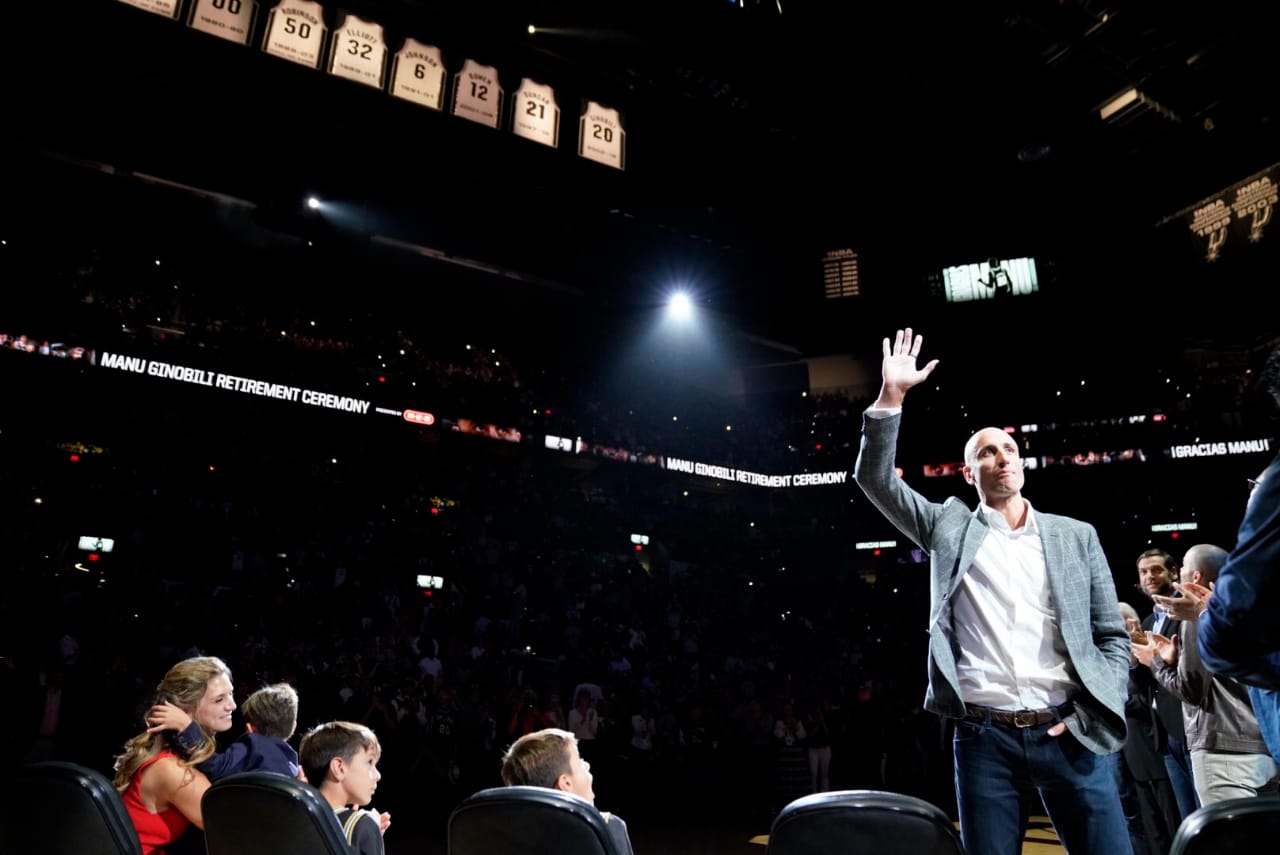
(863, 821)
(57, 808)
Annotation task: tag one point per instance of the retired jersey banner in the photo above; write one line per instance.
(1236, 217)
(601, 136)
(477, 94)
(296, 32)
(227, 19)
(359, 52)
(535, 114)
(418, 74)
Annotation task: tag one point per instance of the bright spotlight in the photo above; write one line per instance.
(680, 306)
(313, 202)
(532, 29)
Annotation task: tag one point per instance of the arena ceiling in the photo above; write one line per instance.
(759, 134)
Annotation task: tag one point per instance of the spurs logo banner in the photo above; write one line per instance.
(1238, 215)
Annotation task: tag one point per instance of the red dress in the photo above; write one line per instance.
(155, 830)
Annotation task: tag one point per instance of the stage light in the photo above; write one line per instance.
(313, 203)
(680, 307)
(532, 29)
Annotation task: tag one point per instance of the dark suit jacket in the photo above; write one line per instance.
(1080, 582)
(1167, 707)
(1146, 742)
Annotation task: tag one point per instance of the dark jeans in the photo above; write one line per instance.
(1129, 803)
(1002, 769)
(1177, 759)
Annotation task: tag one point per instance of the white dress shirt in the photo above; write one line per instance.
(1012, 655)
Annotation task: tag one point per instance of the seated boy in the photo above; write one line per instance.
(549, 758)
(270, 716)
(340, 759)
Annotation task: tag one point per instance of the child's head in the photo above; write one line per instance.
(548, 758)
(342, 755)
(272, 711)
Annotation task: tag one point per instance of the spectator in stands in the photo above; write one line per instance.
(549, 758)
(340, 759)
(1150, 806)
(553, 713)
(524, 714)
(1157, 573)
(584, 721)
(161, 789)
(819, 725)
(1027, 650)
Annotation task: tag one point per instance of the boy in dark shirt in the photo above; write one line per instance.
(270, 717)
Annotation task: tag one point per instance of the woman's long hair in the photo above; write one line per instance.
(184, 686)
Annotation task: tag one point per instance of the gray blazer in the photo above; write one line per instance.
(1080, 583)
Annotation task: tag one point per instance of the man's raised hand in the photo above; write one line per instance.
(898, 369)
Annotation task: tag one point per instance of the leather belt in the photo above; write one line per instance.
(1017, 718)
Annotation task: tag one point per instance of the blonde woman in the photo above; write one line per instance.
(161, 787)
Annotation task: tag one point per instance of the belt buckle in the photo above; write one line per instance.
(1024, 718)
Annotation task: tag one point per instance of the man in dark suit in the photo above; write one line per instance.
(1026, 647)
(1151, 806)
(1157, 573)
